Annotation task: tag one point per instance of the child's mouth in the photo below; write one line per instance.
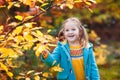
(71, 36)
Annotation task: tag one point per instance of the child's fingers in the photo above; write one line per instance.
(45, 53)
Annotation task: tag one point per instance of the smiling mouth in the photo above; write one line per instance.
(71, 36)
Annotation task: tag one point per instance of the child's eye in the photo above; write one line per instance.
(73, 29)
(67, 30)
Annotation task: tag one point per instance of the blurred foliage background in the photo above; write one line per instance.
(28, 27)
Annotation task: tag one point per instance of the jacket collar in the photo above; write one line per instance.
(66, 48)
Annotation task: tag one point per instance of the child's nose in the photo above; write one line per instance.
(70, 31)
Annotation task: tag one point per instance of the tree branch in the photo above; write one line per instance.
(49, 6)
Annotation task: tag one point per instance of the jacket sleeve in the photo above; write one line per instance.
(53, 58)
(94, 69)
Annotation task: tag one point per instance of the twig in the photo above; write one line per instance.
(50, 6)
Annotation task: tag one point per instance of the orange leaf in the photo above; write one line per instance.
(45, 74)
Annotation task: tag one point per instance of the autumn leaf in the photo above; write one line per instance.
(19, 77)
(27, 2)
(18, 30)
(37, 73)
(41, 1)
(76, 1)
(27, 78)
(10, 5)
(93, 35)
(31, 71)
(1, 28)
(42, 9)
(10, 74)
(39, 33)
(17, 5)
(19, 17)
(103, 46)
(28, 17)
(45, 74)
(44, 4)
(27, 36)
(70, 5)
(56, 68)
(49, 30)
(19, 39)
(4, 67)
(36, 77)
(40, 49)
(8, 52)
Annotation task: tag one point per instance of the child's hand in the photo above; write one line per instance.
(45, 53)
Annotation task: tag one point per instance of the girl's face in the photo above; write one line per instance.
(71, 32)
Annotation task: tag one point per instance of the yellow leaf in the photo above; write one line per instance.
(90, 10)
(28, 17)
(39, 50)
(69, 3)
(29, 72)
(3, 66)
(103, 46)
(12, 53)
(2, 37)
(19, 77)
(7, 52)
(1, 27)
(9, 61)
(36, 77)
(37, 73)
(27, 78)
(19, 17)
(93, 1)
(49, 30)
(39, 33)
(43, 23)
(69, 6)
(93, 34)
(10, 5)
(17, 5)
(43, 9)
(22, 74)
(56, 68)
(18, 39)
(25, 47)
(10, 74)
(54, 45)
(76, 1)
(44, 4)
(88, 3)
(27, 36)
(18, 30)
(2, 6)
(27, 2)
(41, 1)
(45, 74)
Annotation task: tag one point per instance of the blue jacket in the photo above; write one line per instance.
(61, 55)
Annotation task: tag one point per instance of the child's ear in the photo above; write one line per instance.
(80, 32)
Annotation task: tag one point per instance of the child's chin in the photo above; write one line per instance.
(71, 40)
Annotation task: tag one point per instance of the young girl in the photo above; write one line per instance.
(75, 56)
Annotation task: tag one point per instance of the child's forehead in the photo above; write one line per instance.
(67, 25)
